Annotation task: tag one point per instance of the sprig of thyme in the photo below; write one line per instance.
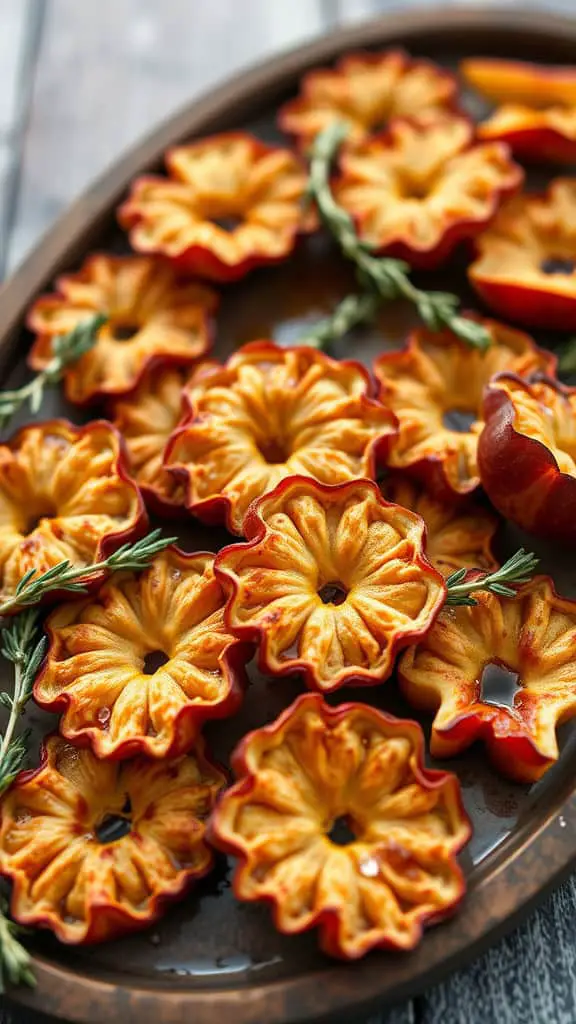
(72, 578)
(350, 312)
(387, 277)
(22, 645)
(503, 581)
(67, 349)
(25, 649)
(14, 959)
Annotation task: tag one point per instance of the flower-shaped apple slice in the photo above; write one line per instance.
(230, 203)
(65, 493)
(333, 582)
(94, 849)
(320, 775)
(435, 386)
(146, 419)
(151, 317)
(420, 188)
(501, 671)
(527, 454)
(364, 91)
(139, 666)
(525, 268)
(536, 106)
(270, 413)
(459, 533)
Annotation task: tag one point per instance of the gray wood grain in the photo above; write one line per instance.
(14, 17)
(528, 978)
(108, 71)
(78, 83)
(19, 41)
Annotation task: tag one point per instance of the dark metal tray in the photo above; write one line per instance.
(211, 958)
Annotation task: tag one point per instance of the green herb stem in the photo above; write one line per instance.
(67, 349)
(503, 581)
(22, 645)
(14, 959)
(349, 313)
(73, 579)
(25, 649)
(388, 278)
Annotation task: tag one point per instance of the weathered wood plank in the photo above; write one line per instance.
(528, 978)
(19, 36)
(14, 18)
(109, 71)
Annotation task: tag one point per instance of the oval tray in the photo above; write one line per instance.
(211, 958)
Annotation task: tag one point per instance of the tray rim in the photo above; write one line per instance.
(522, 875)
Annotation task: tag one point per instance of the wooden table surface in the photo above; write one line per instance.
(80, 81)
